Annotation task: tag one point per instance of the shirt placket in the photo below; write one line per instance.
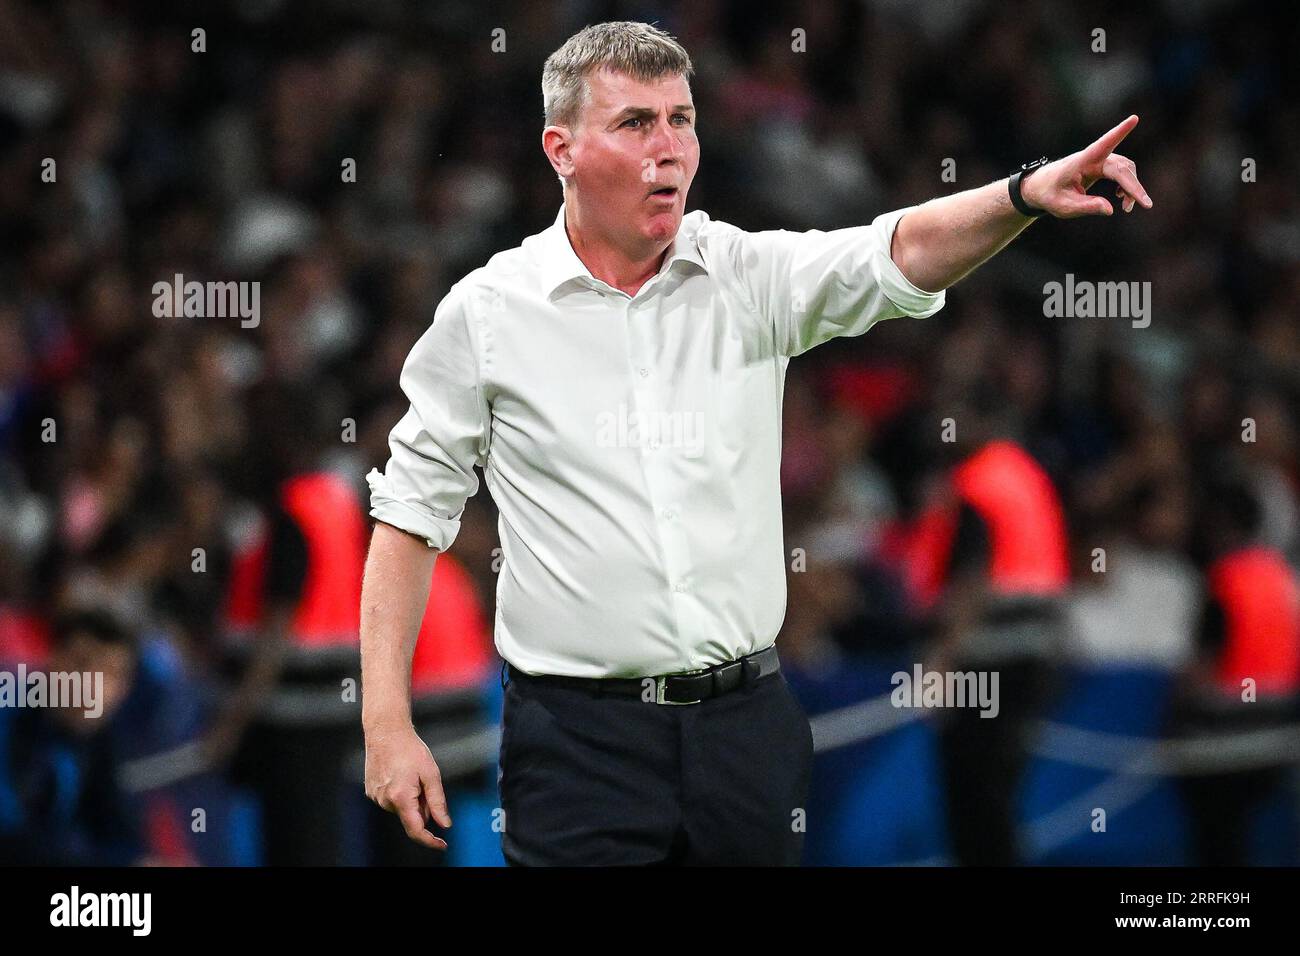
(650, 400)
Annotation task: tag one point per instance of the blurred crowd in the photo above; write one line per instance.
(128, 440)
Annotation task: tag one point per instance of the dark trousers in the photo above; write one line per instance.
(1220, 804)
(984, 760)
(1220, 807)
(592, 780)
(298, 773)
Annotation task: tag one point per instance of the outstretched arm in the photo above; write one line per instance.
(945, 239)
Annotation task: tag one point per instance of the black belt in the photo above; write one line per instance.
(686, 687)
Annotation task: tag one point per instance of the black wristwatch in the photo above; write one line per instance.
(1013, 187)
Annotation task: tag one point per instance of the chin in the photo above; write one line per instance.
(664, 226)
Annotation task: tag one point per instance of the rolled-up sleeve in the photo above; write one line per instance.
(816, 285)
(442, 437)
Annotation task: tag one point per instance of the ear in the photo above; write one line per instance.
(557, 144)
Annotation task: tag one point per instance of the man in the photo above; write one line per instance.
(291, 627)
(60, 800)
(1245, 677)
(618, 377)
(998, 542)
(291, 623)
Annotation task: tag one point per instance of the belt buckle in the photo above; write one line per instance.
(661, 684)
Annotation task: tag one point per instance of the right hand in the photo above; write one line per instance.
(402, 777)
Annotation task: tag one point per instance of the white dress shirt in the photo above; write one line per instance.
(632, 444)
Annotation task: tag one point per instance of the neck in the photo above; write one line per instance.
(626, 269)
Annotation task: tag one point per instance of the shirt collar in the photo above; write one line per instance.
(559, 263)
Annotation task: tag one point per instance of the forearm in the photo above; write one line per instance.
(943, 240)
(393, 597)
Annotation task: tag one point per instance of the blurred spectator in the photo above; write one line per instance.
(995, 547)
(1137, 595)
(60, 800)
(1246, 674)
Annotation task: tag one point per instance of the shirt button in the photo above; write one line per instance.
(680, 587)
(645, 372)
(668, 514)
(654, 443)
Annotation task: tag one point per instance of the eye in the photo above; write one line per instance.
(634, 119)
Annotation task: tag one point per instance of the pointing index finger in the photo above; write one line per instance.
(1104, 146)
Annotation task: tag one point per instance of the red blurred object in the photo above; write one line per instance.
(876, 393)
(332, 520)
(1023, 513)
(1020, 508)
(24, 637)
(330, 517)
(1261, 607)
(165, 832)
(454, 646)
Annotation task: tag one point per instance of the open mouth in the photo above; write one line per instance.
(665, 192)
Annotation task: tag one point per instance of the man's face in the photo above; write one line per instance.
(83, 654)
(632, 139)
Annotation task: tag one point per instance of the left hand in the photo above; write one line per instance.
(1061, 187)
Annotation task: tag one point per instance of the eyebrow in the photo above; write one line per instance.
(646, 112)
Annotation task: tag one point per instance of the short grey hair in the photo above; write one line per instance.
(640, 50)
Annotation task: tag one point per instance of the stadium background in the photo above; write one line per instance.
(225, 165)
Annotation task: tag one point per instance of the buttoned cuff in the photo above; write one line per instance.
(410, 514)
(912, 301)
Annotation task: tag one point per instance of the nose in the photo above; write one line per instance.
(666, 142)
